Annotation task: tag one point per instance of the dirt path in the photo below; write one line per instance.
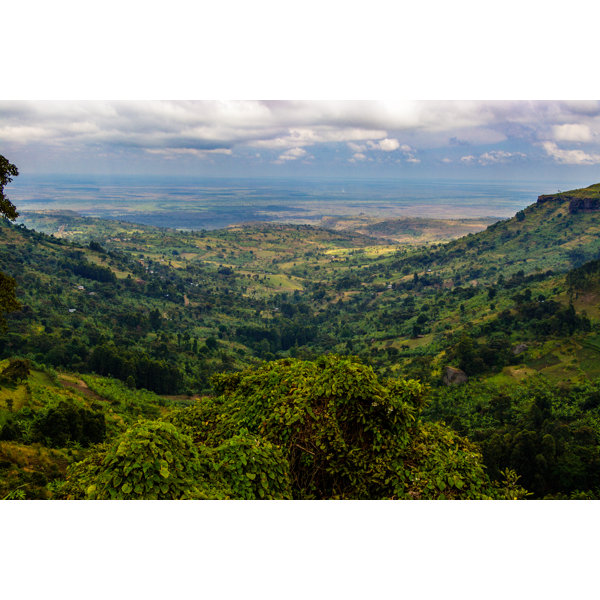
(80, 386)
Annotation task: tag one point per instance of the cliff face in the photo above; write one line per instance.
(583, 200)
(584, 205)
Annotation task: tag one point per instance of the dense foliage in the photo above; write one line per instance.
(59, 424)
(344, 433)
(7, 172)
(548, 433)
(8, 301)
(151, 460)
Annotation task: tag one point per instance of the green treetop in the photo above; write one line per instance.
(8, 301)
(7, 172)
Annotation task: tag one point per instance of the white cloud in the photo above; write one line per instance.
(570, 157)
(498, 156)
(490, 157)
(412, 159)
(174, 152)
(309, 136)
(357, 147)
(202, 128)
(358, 156)
(386, 145)
(25, 133)
(446, 160)
(292, 154)
(572, 132)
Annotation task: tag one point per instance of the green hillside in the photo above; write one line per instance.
(126, 327)
(265, 291)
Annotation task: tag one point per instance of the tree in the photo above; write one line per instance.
(8, 300)
(17, 370)
(7, 172)
(58, 425)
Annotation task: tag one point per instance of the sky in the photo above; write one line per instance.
(494, 140)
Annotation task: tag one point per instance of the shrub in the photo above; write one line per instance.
(343, 433)
(151, 460)
(17, 370)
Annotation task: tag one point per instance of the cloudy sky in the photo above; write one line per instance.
(459, 139)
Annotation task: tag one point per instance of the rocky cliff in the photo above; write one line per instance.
(582, 200)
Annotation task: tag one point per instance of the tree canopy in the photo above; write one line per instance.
(7, 172)
(8, 301)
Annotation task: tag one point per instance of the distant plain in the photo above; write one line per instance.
(212, 203)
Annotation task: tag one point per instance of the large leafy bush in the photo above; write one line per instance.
(154, 460)
(151, 460)
(344, 433)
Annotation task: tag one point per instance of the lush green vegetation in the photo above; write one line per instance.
(301, 429)
(138, 321)
(548, 433)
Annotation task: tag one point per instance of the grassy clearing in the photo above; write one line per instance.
(19, 396)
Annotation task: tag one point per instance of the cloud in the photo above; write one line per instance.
(383, 130)
(477, 136)
(171, 153)
(309, 136)
(292, 154)
(357, 147)
(386, 145)
(570, 157)
(454, 141)
(409, 153)
(490, 157)
(572, 132)
(498, 156)
(18, 133)
(446, 160)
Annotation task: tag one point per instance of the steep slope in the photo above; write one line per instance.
(552, 234)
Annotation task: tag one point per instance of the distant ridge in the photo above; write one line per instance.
(580, 200)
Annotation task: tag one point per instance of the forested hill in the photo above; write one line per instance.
(556, 232)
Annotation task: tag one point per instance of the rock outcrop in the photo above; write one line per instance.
(583, 205)
(454, 376)
(576, 203)
(519, 348)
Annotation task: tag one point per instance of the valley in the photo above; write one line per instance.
(135, 321)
